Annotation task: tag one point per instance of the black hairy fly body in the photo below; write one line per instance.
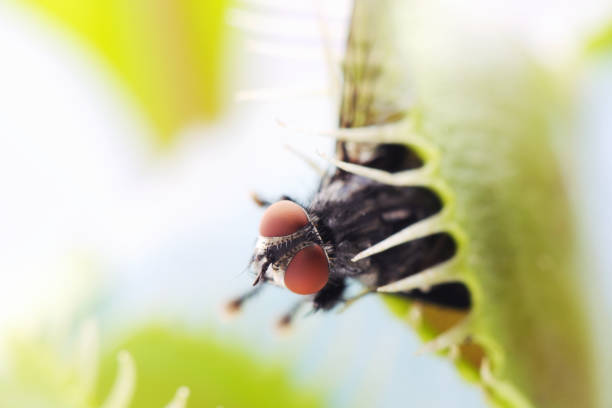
(349, 214)
(316, 248)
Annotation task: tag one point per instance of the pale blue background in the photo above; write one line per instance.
(169, 237)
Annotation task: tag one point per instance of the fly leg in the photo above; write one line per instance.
(330, 296)
(262, 202)
(326, 299)
(235, 305)
(284, 322)
(351, 301)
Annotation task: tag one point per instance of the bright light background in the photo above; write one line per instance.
(89, 209)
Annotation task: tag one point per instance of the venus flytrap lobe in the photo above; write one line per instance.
(488, 112)
(447, 194)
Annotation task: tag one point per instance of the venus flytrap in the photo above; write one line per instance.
(446, 194)
(153, 366)
(483, 109)
(40, 376)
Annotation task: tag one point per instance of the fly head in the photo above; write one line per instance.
(289, 251)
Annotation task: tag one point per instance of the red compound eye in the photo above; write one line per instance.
(282, 218)
(308, 271)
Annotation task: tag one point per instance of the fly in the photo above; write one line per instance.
(342, 234)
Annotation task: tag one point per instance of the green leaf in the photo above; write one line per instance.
(157, 363)
(167, 54)
(217, 373)
(600, 43)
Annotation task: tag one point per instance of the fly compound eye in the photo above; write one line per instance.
(308, 271)
(282, 218)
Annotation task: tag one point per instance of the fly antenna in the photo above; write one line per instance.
(258, 278)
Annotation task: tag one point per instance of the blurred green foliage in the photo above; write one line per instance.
(167, 53)
(51, 372)
(601, 42)
(37, 376)
(219, 374)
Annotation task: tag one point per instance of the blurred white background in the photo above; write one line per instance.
(88, 209)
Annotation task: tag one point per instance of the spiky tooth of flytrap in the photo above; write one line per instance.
(401, 132)
(501, 387)
(396, 132)
(485, 372)
(444, 272)
(352, 300)
(454, 352)
(257, 23)
(280, 94)
(415, 316)
(180, 398)
(413, 177)
(87, 356)
(456, 335)
(422, 176)
(432, 225)
(123, 389)
(293, 51)
(260, 25)
(310, 162)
